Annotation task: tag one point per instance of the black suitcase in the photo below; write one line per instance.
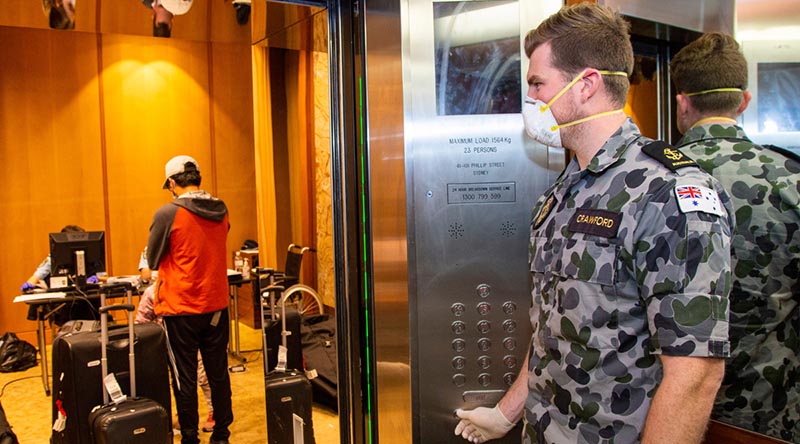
(77, 372)
(273, 329)
(287, 393)
(126, 420)
(288, 396)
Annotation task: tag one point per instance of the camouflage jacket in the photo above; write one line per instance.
(761, 390)
(621, 272)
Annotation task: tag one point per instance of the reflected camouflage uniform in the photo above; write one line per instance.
(619, 275)
(761, 390)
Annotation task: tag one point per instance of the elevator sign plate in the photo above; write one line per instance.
(492, 192)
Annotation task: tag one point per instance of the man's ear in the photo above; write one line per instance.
(590, 83)
(684, 104)
(747, 96)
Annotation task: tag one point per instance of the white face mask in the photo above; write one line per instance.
(541, 124)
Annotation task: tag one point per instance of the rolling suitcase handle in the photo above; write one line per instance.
(104, 309)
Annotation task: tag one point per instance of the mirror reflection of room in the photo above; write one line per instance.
(110, 106)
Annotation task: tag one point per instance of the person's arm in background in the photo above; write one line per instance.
(144, 270)
(683, 401)
(145, 312)
(39, 277)
(483, 424)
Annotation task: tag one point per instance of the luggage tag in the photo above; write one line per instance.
(311, 374)
(281, 365)
(113, 389)
(297, 429)
(61, 421)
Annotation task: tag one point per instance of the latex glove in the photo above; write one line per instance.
(482, 424)
(27, 286)
(92, 279)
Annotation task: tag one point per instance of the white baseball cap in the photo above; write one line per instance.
(176, 7)
(178, 165)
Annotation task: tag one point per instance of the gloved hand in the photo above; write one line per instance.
(482, 424)
(92, 279)
(27, 286)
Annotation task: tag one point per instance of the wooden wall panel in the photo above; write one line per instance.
(207, 20)
(87, 122)
(50, 154)
(233, 139)
(157, 107)
(224, 27)
(29, 14)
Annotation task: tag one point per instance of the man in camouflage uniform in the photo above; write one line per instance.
(761, 390)
(629, 258)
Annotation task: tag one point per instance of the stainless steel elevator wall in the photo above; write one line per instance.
(453, 180)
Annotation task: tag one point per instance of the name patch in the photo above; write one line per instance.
(597, 222)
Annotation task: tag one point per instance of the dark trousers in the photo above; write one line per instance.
(187, 334)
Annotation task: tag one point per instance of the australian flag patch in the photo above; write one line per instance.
(698, 198)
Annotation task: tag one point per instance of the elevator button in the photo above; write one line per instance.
(459, 345)
(484, 344)
(510, 361)
(484, 326)
(484, 379)
(509, 308)
(458, 327)
(459, 362)
(484, 308)
(459, 380)
(509, 344)
(509, 326)
(484, 362)
(483, 397)
(483, 290)
(457, 308)
(509, 378)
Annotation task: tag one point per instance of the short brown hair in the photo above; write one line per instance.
(710, 62)
(587, 35)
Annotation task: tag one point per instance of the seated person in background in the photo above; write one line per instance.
(75, 310)
(146, 275)
(145, 313)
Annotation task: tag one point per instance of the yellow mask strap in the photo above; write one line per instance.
(713, 91)
(710, 118)
(586, 119)
(576, 80)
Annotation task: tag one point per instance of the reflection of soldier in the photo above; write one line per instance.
(629, 260)
(761, 391)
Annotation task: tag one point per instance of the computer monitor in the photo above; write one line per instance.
(77, 255)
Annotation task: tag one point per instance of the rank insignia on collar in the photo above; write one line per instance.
(544, 211)
(671, 157)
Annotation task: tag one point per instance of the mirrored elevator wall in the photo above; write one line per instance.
(290, 46)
